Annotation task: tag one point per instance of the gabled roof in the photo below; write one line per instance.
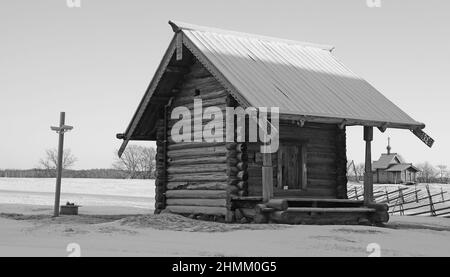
(402, 167)
(304, 80)
(387, 160)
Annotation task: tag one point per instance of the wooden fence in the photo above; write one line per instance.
(407, 200)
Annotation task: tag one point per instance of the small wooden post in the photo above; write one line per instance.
(417, 195)
(368, 177)
(430, 199)
(402, 201)
(356, 193)
(267, 176)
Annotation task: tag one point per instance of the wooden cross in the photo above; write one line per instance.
(60, 130)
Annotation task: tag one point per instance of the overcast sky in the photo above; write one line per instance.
(95, 62)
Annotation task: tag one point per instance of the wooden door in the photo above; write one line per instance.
(291, 167)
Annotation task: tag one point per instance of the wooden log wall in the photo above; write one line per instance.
(202, 176)
(341, 164)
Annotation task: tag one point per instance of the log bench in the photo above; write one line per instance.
(314, 211)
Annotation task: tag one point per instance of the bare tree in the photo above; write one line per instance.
(50, 161)
(442, 172)
(427, 172)
(138, 161)
(361, 170)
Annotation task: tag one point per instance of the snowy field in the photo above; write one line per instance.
(85, 192)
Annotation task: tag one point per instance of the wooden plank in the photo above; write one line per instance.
(329, 210)
(319, 219)
(327, 200)
(179, 46)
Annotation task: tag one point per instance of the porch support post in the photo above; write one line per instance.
(368, 176)
(267, 177)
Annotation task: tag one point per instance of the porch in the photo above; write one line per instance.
(317, 211)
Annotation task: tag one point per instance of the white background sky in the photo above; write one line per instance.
(95, 63)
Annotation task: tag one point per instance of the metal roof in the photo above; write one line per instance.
(386, 160)
(402, 167)
(302, 79)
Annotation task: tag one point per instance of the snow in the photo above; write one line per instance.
(111, 223)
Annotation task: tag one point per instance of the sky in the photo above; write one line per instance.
(94, 62)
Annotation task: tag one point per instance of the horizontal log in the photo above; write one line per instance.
(222, 211)
(242, 165)
(243, 185)
(277, 204)
(197, 185)
(204, 119)
(199, 160)
(203, 194)
(232, 170)
(199, 177)
(242, 175)
(241, 147)
(195, 145)
(216, 102)
(197, 202)
(221, 93)
(200, 83)
(242, 156)
(197, 72)
(195, 168)
(205, 151)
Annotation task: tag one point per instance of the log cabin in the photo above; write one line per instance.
(304, 181)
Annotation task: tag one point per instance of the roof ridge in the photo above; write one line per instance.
(178, 26)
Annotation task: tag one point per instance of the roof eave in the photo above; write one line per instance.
(352, 121)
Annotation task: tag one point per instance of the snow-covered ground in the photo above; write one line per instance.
(116, 220)
(38, 234)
